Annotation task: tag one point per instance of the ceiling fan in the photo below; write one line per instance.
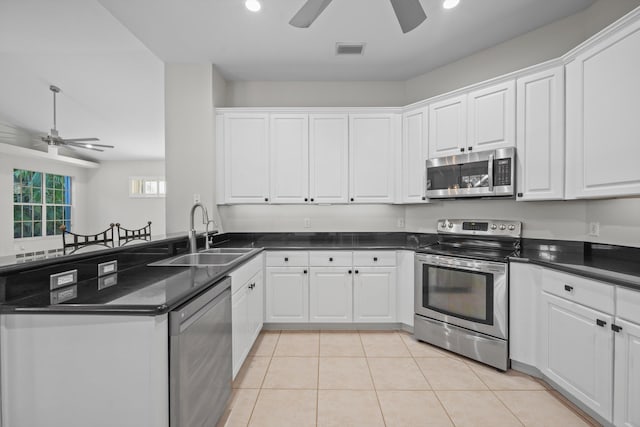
(54, 139)
(409, 13)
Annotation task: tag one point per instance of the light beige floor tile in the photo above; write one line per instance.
(344, 373)
(412, 408)
(421, 349)
(396, 373)
(292, 372)
(341, 344)
(252, 372)
(449, 374)
(298, 344)
(348, 408)
(383, 344)
(540, 408)
(510, 380)
(285, 408)
(265, 344)
(572, 407)
(241, 407)
(476, 408)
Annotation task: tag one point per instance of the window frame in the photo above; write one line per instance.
(159, 180)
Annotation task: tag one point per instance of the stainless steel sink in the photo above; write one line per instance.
(206, 258)
(227, 251)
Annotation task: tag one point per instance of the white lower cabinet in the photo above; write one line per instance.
(331, 294)
(578, 351)
(287, 294)
(627, 374)
(247, 301)
(374, 294)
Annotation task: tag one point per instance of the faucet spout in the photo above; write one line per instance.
(192, 229)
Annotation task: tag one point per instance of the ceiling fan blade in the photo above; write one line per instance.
(308, 13)
(79, 139)
(86, 144)
(84, 147)
(410, 13)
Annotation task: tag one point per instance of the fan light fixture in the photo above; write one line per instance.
(253, 5)
(450, 4)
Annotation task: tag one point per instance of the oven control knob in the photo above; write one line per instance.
(502, 226)
(512, 227)
(443, 225)
(450, 225)
(493, 226)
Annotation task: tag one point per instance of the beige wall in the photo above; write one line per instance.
(315, 94)
(545, 43)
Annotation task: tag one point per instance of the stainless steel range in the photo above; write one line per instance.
(461, 288)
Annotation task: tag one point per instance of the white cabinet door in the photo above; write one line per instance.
(374, 294)
(448, 127)
(246, 154)
(289, 161)
(256, 307)
(287, 294)
(415, 151)
(578, 352)
(239, 326)
(603, 89)
(372, 142)
(331, 294)
(329, 158)
(627, 375)
(525, 290)
(540, 135)
(492, 117)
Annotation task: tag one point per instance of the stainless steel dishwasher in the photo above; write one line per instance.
(200, 358)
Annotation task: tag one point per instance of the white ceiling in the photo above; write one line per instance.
(263, 46)
(112, 85)
(107, 55)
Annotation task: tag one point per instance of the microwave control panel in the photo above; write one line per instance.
(502, 172)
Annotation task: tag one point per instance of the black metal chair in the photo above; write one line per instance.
(104, 238)
(126, 235)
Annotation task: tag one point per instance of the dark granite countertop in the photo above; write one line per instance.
(149, 290)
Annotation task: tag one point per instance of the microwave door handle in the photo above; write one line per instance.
(490, 172)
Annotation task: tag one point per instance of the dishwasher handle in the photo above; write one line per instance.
(184, 316)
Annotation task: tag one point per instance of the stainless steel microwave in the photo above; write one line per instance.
(479, 174)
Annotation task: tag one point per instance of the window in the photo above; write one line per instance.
(41, 203)
(147, 186)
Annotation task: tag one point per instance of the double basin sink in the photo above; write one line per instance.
(208, 257)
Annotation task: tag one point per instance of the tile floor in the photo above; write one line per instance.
(350, 379)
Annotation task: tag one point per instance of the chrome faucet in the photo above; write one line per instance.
(192, 229)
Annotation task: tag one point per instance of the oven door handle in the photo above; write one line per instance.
(490, 172)
(485, 267)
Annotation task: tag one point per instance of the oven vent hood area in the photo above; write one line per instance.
(483, 174)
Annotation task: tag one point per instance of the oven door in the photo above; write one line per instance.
(468, 293)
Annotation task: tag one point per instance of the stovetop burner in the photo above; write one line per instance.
(491, 240)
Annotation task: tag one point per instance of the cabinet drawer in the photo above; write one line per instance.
(288, 259)
(374, 258)
(331, 258)
(628, 304)
(578, 289)
(244, 273)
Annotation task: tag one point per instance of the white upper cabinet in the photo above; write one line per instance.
(492, 117)
(289, 160)
(246, 154)
(540, 135)
(372, 142)
(448, 127)
(328, 158)
(603, 90)
(415, 151)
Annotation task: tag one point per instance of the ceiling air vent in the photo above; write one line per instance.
(349, 48)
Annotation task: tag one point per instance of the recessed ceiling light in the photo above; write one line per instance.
(252, 5)
(450, 4)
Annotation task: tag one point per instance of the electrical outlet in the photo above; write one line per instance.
(594, 229)
(400, 223)
(196, 198)
(307, 223)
